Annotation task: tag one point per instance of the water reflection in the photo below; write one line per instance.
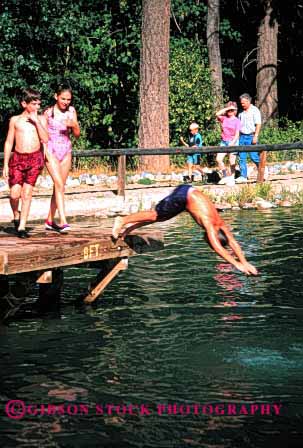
(228, 281)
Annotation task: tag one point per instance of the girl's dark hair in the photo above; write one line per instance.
(63, 88)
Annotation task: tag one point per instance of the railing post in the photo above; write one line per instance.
(121, 175)
(261, 169)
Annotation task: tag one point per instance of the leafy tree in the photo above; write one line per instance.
(96, 47)
(93, 45)
(190, 96)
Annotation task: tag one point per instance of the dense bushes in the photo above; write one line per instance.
(93, 45)
(283, 131)
(96, 47)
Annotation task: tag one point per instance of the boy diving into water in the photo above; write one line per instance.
(198, 205)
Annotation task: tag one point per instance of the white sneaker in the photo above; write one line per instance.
(118, 224)
(230, 181)
(227, 180)
(241, 180)
(222, 181)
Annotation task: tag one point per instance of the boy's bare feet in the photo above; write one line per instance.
(118, 224)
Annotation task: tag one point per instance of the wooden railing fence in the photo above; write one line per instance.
(121, 153)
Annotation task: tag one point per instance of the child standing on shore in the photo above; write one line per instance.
(230, 131)
(194, 141)
(61, 121)
(28, 132)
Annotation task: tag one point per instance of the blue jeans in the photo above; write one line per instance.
(246, 140)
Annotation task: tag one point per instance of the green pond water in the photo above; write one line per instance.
(178, 342)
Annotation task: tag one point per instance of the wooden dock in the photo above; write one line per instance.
(86, 245)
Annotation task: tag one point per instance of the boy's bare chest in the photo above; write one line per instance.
(25, 127)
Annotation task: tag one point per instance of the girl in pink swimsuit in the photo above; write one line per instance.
(62, 121)
(59, 142)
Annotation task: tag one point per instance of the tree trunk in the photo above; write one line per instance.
(213, 45)
(154, 85)
(267, 59)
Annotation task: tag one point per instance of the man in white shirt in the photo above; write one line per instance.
(251, 121)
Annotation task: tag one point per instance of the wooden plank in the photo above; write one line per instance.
(3, 263)
(41, 258)
(97, 290)
(44, 251)
(185, 150)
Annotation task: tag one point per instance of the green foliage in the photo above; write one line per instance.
(190, 88)
(282, 131)
(190, 97)
(93, 45)
(264, 191)
(298, 198)
(189, 19)
(246, 194)
(295, 197)
(146, 181)
(226, 30)
(96, 47)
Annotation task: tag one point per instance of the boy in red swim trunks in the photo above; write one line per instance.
(22, 168)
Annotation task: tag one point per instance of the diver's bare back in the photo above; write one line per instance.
(206, 209)
(26, 135)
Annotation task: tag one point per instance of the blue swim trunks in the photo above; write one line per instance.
(174, 203)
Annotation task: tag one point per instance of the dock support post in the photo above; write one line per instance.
(6, 304)
(46, 277)
(4, 285)
(106, 278)
(50, 284)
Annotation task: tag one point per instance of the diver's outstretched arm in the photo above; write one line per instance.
(242, 265)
